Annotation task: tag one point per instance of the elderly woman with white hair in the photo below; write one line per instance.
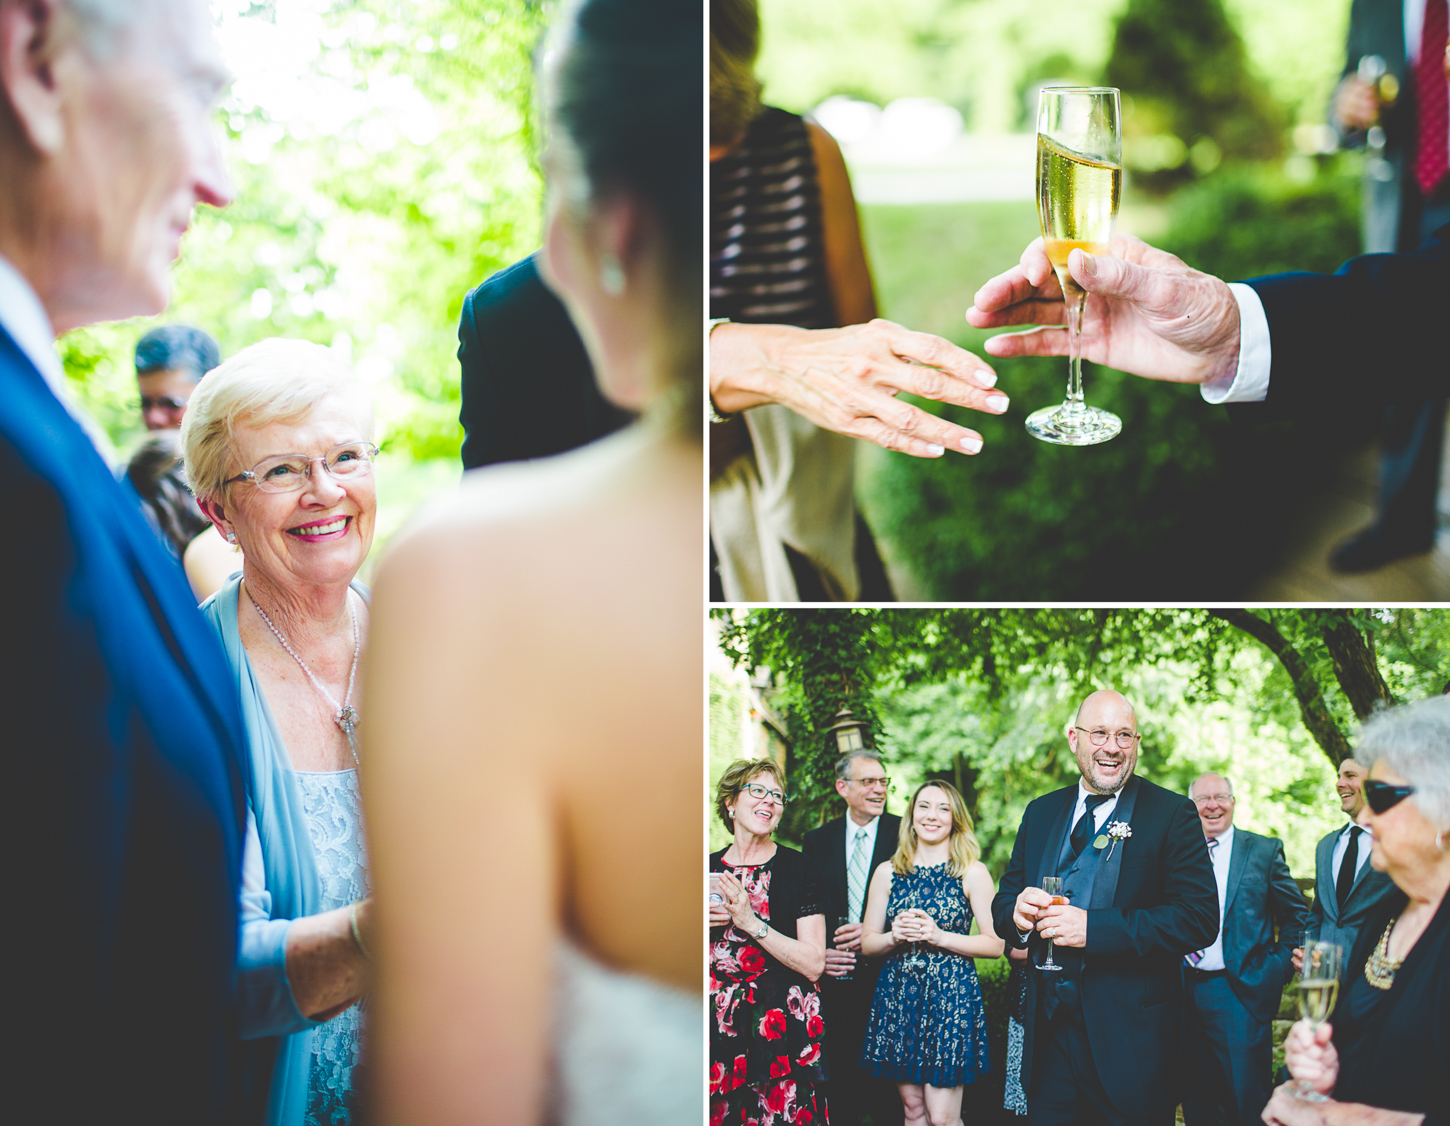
(278, 450)
(1383, 1058)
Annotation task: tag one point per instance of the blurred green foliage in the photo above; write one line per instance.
(1188, 89)
(365, 231)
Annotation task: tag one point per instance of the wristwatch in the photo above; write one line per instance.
(716, 415)
(764, 926)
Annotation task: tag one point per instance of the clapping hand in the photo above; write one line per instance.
(737, 903)
(1147, 312)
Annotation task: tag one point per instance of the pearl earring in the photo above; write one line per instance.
(611, 276)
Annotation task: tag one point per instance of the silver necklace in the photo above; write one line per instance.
(344, 714)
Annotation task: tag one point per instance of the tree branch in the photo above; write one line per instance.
(1312, 708)
(1354, 664)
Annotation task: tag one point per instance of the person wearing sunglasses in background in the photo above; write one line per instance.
(278, 450)
(1346, 886)
(1382, 1058)
(170, 361)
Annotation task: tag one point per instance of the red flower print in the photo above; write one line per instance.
(717, 1076)
(802, 1004)
(779, 1098)
(739, 1071)
(809, 1055)
(718, 1107)
(772, 1025)
(752, 961)
(814, 1027)
(780, 1068)
(804, 1117)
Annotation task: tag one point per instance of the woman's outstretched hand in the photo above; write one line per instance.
(846, 380)
(1147, 312)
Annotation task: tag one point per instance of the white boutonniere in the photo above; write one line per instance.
(1113, 831)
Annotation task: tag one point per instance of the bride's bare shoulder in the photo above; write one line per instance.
(610, 514)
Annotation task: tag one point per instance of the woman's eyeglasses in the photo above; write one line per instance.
(287, 473)
(1383, 797)
(760, 793)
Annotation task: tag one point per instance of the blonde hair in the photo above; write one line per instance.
(963, 848)
(276, 380)
(737, 776)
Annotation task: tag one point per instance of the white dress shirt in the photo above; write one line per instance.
(25, 319)
(1213, 953)
(1342, 844)
(1100, 814)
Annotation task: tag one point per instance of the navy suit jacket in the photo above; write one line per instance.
(1153, 900)
(122, 803)
(826, 845)
(1261, 893)
(526, 385)
(1326, 922)
(1370, 334)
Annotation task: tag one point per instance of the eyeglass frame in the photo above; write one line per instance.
(1116, 736)
(779, 796)
(369, 448)
(1213, 797)
(168, 403)
(867, 783)
(1373, 786)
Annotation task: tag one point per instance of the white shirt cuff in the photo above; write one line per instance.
(1250, 383)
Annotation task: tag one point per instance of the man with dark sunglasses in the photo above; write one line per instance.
(170, 361)
(1346, 889)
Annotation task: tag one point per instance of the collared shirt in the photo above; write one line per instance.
(1100, 814)
(24, 318)
(1213, 954)
(868, 831)
(1341, 844)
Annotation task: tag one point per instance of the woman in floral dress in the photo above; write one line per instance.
(927, 1028)
(767, 951)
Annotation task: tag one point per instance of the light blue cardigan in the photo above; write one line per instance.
(267, 1011)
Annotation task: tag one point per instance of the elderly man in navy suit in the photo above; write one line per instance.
(1235, 982)
(1346, 888)
(848, 849)
(122, 801)
(1102, 1032)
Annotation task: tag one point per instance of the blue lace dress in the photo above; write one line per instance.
(927, 1025)
(334, 820)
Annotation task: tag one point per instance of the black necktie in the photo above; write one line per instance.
(1084, 827)
(1348, 867)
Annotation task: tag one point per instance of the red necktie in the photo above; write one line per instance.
(1433, 155)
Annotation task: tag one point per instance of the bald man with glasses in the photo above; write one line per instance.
(848, 849)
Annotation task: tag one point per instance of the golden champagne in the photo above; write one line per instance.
(1077, 200)
(1316, 998)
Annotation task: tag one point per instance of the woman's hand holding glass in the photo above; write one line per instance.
(915, 925)
(1310, 1056)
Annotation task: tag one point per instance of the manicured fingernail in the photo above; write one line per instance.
(1088, 265)
(934, 450)
(997, 403)
(971, 443)
(986, 378)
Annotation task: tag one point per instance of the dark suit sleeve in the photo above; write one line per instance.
(1373, 330)
(1013, 881)
(1287, 908)
(1187, 919)
(1314, 916)
(815, 845)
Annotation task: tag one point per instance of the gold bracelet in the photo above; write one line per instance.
(356, 933)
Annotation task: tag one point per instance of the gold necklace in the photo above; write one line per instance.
(1379, 967)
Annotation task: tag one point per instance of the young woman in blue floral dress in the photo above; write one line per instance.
(927, 1029)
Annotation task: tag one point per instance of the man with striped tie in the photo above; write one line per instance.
(848, 850)
(1234, 984)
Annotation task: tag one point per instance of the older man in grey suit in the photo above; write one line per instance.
(1235, 982)
(1346, 888)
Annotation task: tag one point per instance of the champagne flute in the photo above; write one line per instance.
(1079, 182)
(913, 962)
(1053, 886)
(837, 922)
(1318, 990)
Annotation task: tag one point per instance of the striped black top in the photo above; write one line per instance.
(767, 253)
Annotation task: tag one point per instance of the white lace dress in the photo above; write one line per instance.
(628, 1051)
(334, 820)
